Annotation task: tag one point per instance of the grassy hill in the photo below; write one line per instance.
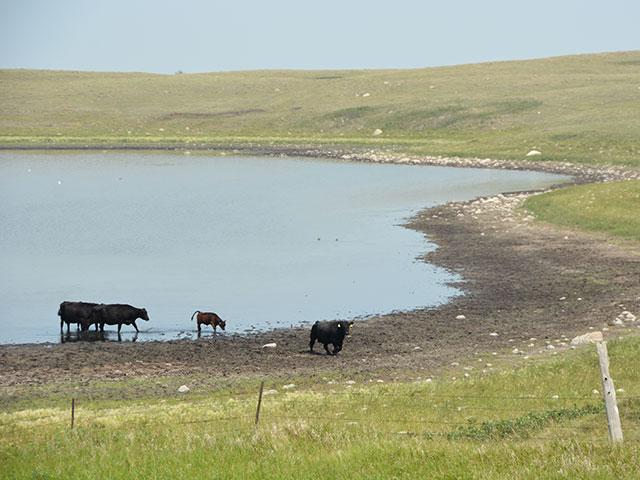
(579, 108)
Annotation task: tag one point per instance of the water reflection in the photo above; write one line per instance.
(211, 334)
(96, 336)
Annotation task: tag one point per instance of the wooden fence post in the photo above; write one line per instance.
(259, 402)
(609, 392)
(73, 411)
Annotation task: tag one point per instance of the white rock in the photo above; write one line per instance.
(555, 397)
(270, 345)
(183, 389)
(289, 386)
(550, 347)
(366, 94)
(595, 392)
(626, 316)
(493, 334)
(533, 153)
(417, 348)
(461, 317)
(377, 132)
(350, 382)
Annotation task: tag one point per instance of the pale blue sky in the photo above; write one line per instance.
(199, 35)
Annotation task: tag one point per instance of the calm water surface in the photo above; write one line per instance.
(262, 242)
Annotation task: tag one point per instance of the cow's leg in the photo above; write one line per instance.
(336, 348)
(68, 326)
(312, 342)
(61, 324)
(135, 326)
(214, 328)
(119, 327)
(199, 328)
(101, 327)
(326, 348)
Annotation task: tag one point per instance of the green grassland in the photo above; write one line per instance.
(583, 109)
(612, 208)
(541, 419)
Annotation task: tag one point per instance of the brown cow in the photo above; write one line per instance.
(208, 318)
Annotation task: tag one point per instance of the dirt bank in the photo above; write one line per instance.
(526, 286)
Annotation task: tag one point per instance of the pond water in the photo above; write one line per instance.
(263, 242)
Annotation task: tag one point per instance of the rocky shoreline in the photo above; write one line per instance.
(529, 288)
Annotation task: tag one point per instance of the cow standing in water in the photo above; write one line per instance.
(208, 318)
(117, 314)
(79, 313)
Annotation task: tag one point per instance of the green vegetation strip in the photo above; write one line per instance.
(531, 421)
(612, 208)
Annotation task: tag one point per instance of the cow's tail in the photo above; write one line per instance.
(194, 314)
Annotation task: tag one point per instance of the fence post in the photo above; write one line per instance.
(259, 402)
(73, 411)
(609, 392)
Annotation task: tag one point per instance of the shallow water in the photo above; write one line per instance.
(263, 242)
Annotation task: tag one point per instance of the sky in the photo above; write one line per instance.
(220, 35)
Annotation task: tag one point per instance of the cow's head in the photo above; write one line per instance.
(346, 326)
(143, 314)
(222, 324)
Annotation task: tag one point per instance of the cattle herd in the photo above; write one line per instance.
(85, 314)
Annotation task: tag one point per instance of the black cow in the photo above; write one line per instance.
(76, 312)
(330, 333)
(117, 314)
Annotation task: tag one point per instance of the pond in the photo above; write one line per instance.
(263, 242)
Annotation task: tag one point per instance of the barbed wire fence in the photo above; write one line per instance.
(448, 416)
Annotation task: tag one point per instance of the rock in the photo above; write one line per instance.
(618, 322)
(366, 94)
(493, 334)
(533, 153)
(289, 386)
(377, 132)
(626, 316)
(591, 337)
(417, 348)
(550, 347)
(270, 345)
(461, 317)
(183, 389)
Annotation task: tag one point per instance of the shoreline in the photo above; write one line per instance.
(522, 281)
(582, 173)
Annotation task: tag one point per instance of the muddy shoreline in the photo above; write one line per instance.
(529, 288)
